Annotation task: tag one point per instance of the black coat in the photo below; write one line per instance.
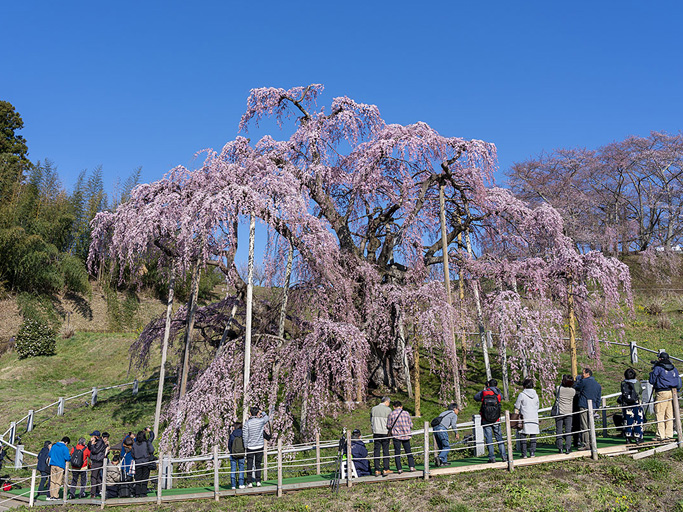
(42, 465)
(97, 450)
(142, 451)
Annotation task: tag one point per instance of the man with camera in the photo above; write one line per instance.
(664, 377)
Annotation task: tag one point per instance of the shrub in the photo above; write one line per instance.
(654, 308)
(664, 323)
(35, 338)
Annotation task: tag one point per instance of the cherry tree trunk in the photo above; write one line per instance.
(572, 330)
(247, 330)
(189, 328)
(447, 280)
(164, 352)
(416, 379)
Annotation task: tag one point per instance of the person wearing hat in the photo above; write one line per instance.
(664, 377)
(98, 451)
(359, 454)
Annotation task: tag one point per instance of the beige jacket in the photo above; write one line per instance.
(379, 416)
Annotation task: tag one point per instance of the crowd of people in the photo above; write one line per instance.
(127, 472)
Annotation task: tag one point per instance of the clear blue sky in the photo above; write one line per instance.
(126, 84)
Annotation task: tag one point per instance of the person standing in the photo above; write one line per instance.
(44, 467)
(253, 441)
(59, 456)
(631, 391)
(237, 451)
(142, 452)
(588, 389)
(98, 451)
(664, 377)
(113, 477)
(565, 407)
(490, 398)
(126, 488)
(447, 421)
(400, 425)
(527, 405)
(378, 419)
(80, 455)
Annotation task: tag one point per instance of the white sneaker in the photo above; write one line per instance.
(50, 498)
(258, 484)
(242, 486)
(233, 487)
(249, 485)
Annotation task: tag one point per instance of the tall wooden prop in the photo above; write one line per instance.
(247, 333)
(461, 290)
(164, 352)
(480, 315)
(572, 330)
(447, 280)
(189, 328)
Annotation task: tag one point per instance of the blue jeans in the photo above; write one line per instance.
(489, 432)
(441, 436)
(236, 465)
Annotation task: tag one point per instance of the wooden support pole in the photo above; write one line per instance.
(591, 432)
(349, 471)
(247, 320)
(189, 326)
(136, 388)
(604, 417)
(508, 431)
(29, 421)
(572, 330)
(265, 460)
(677, 416)
(93, 397)
(279, 466)
(12, 432)
(159, 478)
(164, 353)
(633, 348)
(32, 496)
(216, 467)
(317, 453)
(60, 406)
(104, 482)
(425, 472)
(66, 483)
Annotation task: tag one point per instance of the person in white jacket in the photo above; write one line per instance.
(527, 405)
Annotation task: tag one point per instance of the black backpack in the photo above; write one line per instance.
(629, 395)
(77, 458)
(490, 409)
(437, 421)
(238, 450)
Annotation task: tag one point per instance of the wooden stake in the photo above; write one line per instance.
(279, 466)
(164, 352)
(480, 315)
(425, 471)
(592, 436)
(32, 496)
(216, 465)
(508, 430)
(247, 329)
(572, 330)
(66, 483)
(447, 281)
(348, 459)
(265, 460)
(317, 453)
(189, 326)
(159, 477)
(104, 482)
(416, 379)
(677, 416)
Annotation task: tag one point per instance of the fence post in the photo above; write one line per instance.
(348, 459)
(12, 431)
(104, 481)
(265, 460)
(136, 387)
(160, 478)
(425, 472)
(279, 466)
(508, 431)
(604, 417)
(19, 457)
(29, 421)
(591, 431)
(66, 482)
(32, 496)
(317, 453)
(215, 473)
(478, 431)
(677, 416)
(489, 339)
(93, 399)
(633, 348)
(60, 406)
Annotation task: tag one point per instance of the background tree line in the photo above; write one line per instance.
(624, 197)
